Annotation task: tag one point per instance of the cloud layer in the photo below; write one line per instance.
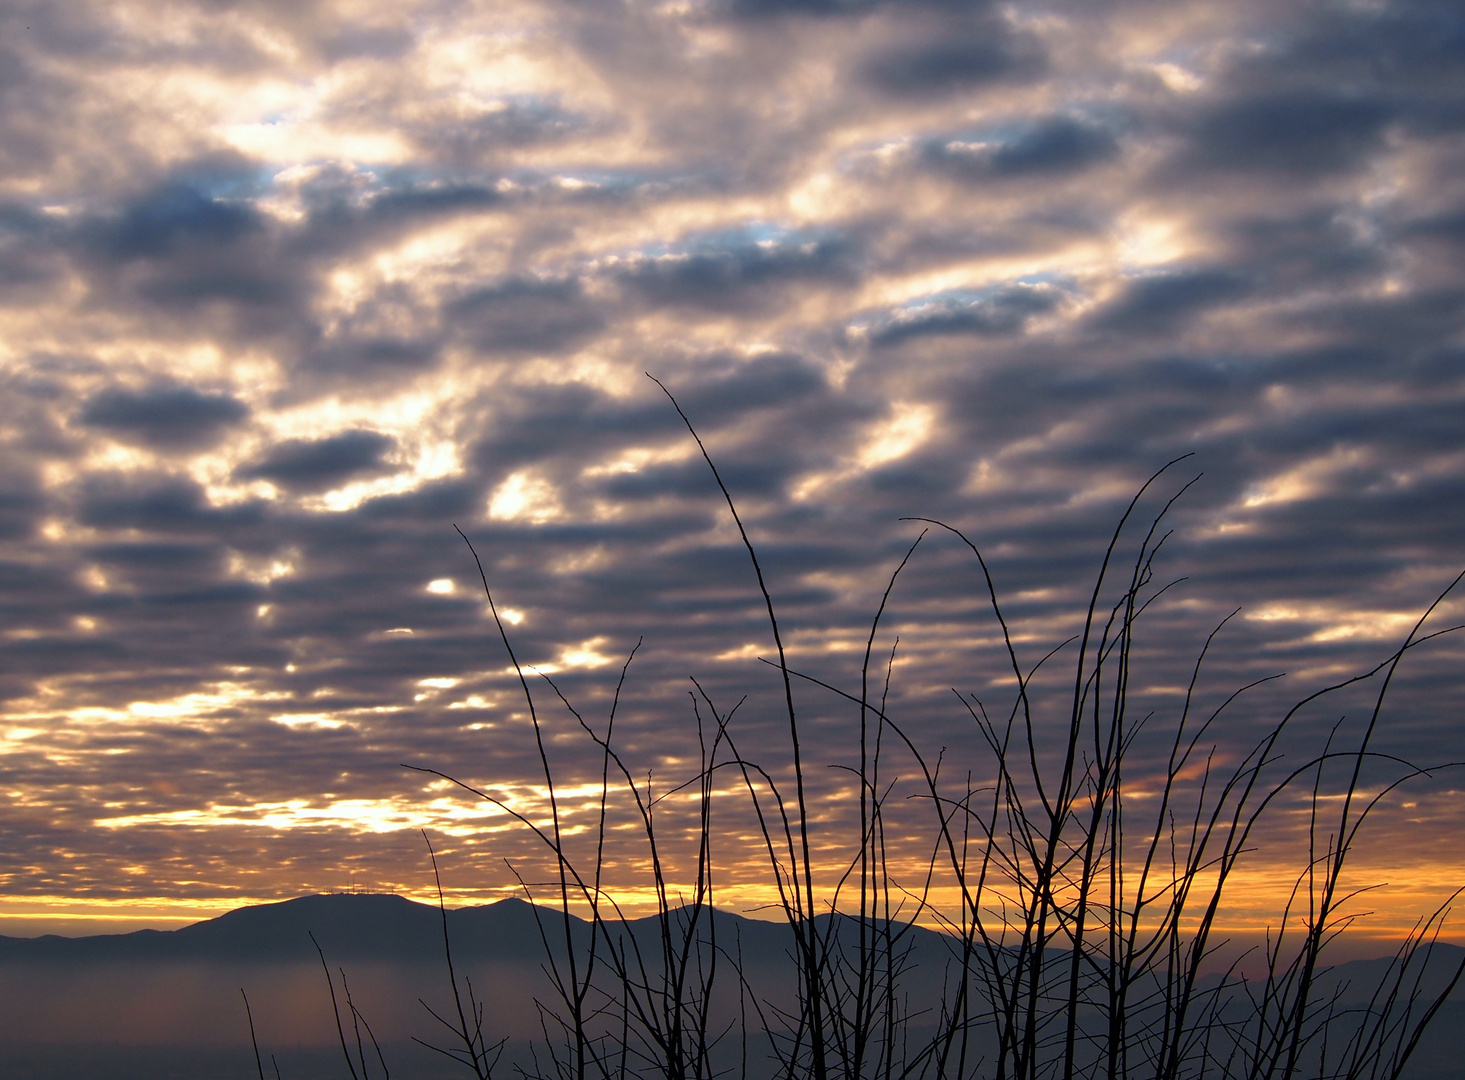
(289, 291)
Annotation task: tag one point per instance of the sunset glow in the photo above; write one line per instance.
(289, 292)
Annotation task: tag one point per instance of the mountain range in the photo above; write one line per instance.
(155, 1004)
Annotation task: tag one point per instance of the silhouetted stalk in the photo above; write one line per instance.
(475, 1053)
(254, 1042)
(1078, 932)
(576, 1003)
(335, 1008)
(358, 1021)
(813, 961)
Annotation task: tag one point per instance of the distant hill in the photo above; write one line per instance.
(377, 927)
(128, 1005)
(383, 928)
(349, 926)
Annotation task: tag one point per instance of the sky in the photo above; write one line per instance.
(290, 290)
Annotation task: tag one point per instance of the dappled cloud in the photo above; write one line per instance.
(290, 292)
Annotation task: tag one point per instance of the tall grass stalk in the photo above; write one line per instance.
(1079, 924)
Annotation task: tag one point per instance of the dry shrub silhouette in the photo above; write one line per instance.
(1072, 931)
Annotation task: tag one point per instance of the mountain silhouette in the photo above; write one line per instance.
(137, 1005)
(386, 928)
(348, 926)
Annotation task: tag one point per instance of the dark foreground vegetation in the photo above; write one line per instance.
(1076, 929)
(166, 1005)
(1077, 933)
(1060, 927)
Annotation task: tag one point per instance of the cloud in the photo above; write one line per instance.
(159, 506)
(833, 8)
(1053, 145)
(163, 416)
(1296, 133)
(959, 59)
(171, 219)
(185, 248)
(27, 255)
(767, 8)
(736, 274)
(367, 356)
(18, 510)
(1003, 311)
(527, 315)
(467, 135)
(319, 464)
(1158, 302)
(289, 291)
